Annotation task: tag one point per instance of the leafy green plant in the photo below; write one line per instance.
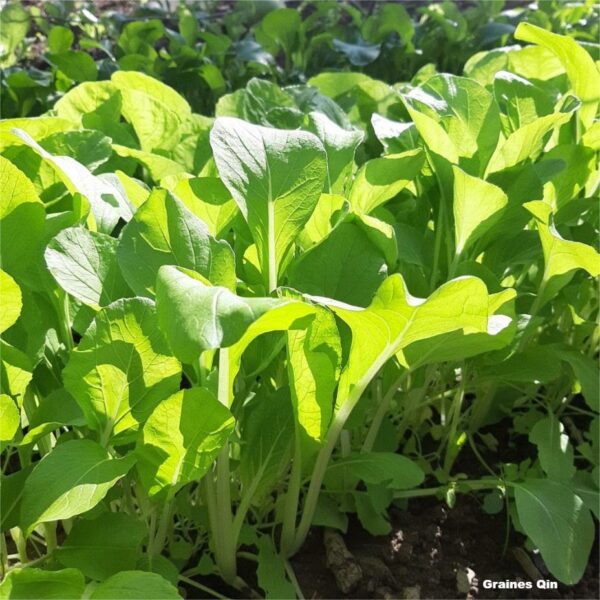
(220, 332)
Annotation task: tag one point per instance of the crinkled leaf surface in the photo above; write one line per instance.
(122, 368)
(84, 263)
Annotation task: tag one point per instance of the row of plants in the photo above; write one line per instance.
(207, 49)
(220, 332)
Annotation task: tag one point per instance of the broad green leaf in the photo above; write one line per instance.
(271, 571)
(10, 295)
(15, 25)
(122, 367)
(526, 143)
(329, 212)
(314, 359)
(60, 39)
(84, 263)
(70, 480)
(108, 206)
(136, 585)
(395, 319)
(465, 111)
(20, 210)
(455, 346)
(380, 179)
(103, 546)
(263, 103)
(75, 64)
(16, 371)
(396, 137)
(10, 498)
(559, 524)
(345, 266)
(275, 177)
(285, 316)
(579, 164)
(579, 65)
(10, 419)
(157, 165)
(155, 110)
(585, 370)
(561, 257)
(521, 101)
(268, 432)
(23, 584)
(164, 231)
(181, 439)
(91, 148)
(209, 200)
(196, 317)
(382, 468)
(554, 449)
(340, 146)
(101, 98)
(279, 30)
(477, 207)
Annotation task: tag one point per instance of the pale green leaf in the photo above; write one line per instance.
(579, 65)
(122, 367)
(10, 419)
(20, 210)
(181, 439)
(209, 200)
(164, 231)
(380, 179)
(155, 110)
(11, 300)
(314, 359)
(84, 263)
(107, 204)
(276, 177)
(340, 146)
(477, 207)
(197, 317)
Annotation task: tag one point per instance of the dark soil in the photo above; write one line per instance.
(429, 545)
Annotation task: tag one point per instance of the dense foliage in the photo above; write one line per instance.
(218, 332)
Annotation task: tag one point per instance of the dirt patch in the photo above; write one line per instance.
(433, 552)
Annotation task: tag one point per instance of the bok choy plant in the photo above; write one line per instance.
(219, 333)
